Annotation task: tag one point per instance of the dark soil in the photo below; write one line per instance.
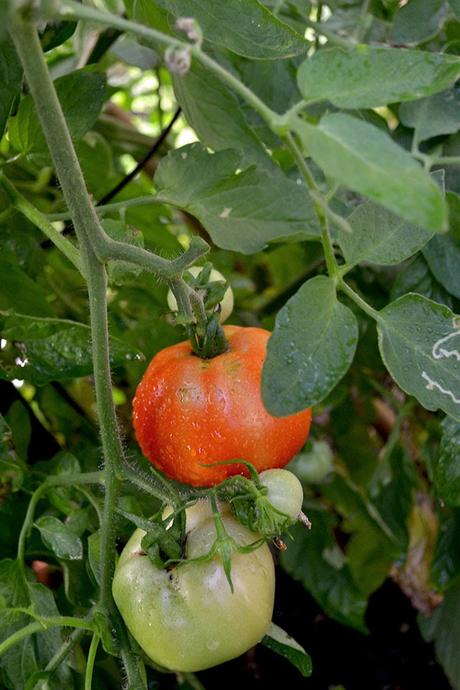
(393, 657)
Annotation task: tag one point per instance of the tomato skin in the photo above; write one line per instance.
(284, 491)
(189, 412)
(187, 619)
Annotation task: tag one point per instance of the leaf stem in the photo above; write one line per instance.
(115, 206)
(320, 203)
(370, 311)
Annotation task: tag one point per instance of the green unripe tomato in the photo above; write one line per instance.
(187, 618)
(226, 306)
(284, 491)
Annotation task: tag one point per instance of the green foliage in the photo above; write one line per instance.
(363, 158)
(282, 643)
(241, 210)
(81, 94)
(311, 348)
(328, 190)
(418, 342)
(370, 76)
(258, 34)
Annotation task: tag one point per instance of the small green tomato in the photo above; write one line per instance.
(226, 306)
(284, 491)
(187, 618)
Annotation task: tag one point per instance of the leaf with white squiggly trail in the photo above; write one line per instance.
(420, 344)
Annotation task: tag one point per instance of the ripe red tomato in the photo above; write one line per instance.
(190, 412)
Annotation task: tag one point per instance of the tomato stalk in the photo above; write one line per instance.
(86, 223)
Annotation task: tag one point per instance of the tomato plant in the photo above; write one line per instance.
(305, 153)
(186, 618)
(191, 413)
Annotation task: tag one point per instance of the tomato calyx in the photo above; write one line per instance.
(255, 505)
(207, 337)
(263, 503)
(165, 540)
(205, 329)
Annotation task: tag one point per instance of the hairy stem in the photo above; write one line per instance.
(320, 203)
(370, 311)
(88, 230)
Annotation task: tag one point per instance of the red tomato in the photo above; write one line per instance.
(190, 412)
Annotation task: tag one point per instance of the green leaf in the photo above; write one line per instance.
(373, 546)
(18, 418)
(56, 33)
(455, 7)
(19, 292)
(369, 76)
(433, 116)
(283, 644)
(241, 210)
(443, 252)
(443, 628)
(446, 467)
(5, 10)
(33, 653)
(51, 349)
(215, 114)
(418, 21)
(380, 236)
(419, 343)
(11, 468)
(314, 559)
(310, 350)
(366, 160)
(417, 277)
(59, 538)
(94, 555)
(445, 566)
(256, 34)
(10, 78)
(81, 93)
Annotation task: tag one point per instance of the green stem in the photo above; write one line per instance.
(73, 10)
(115, 206)
(20, 635)
(27, 524)
(320, 203)
(63, 651)
(445, 160)
(90, 661)
(40, 221)
(44, 624)
(370, 311)
(165, 493)
(88, 230)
